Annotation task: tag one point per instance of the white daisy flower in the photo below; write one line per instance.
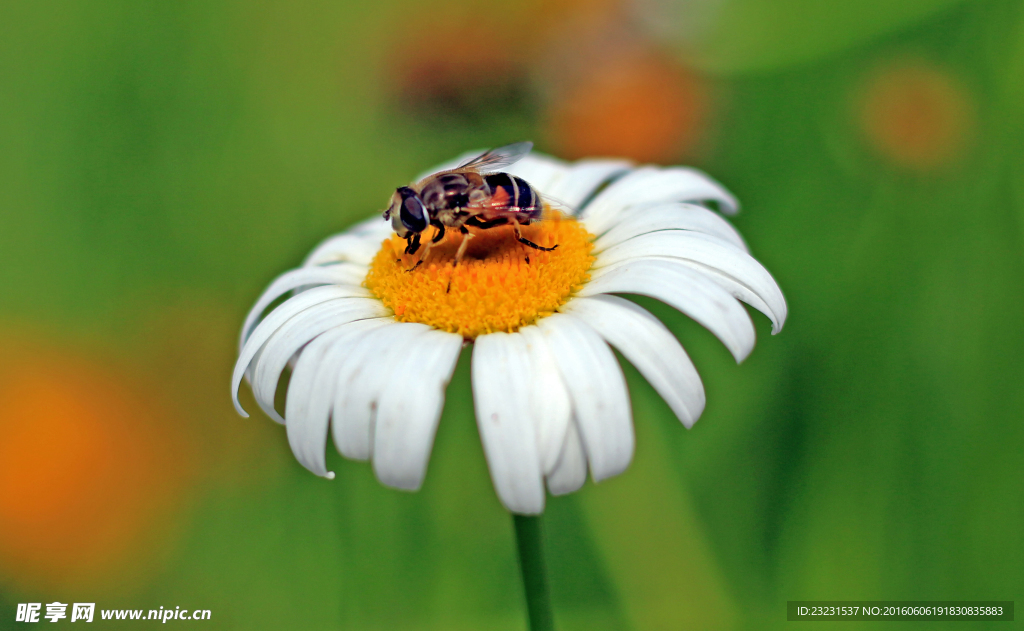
(374, 345)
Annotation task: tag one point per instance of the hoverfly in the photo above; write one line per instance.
(474, 194)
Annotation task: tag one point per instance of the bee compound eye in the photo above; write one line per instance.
(413, 214)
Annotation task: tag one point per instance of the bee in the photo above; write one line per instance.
(475, 194)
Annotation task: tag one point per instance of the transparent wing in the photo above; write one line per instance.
(499, 158)
(552, 203)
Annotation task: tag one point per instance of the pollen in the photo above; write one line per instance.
(499, 285)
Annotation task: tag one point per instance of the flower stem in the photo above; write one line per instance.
(535, 580)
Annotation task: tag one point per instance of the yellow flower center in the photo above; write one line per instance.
(499, 285)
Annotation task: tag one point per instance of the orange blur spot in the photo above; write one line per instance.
(86, 465)
(916, 114)
(642, 106)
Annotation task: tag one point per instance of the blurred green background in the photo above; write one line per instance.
(161, 162)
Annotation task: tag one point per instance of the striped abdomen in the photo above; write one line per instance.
(510, 193)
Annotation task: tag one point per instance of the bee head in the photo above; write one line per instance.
(407, 212)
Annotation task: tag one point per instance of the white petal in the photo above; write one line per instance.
(271, 323)
(541, 171)
(550, 407)
(651, 185)
(362, 375)
(582, 179)
(346, 247)
(347, 274)
(348, 353)
(709, 252)
(737, 289)
(570, 470)
(642, 220)
(311, 393)
(410, 407)
(598, 392)
(673, 282)
(296, 333)
(649, 346)
(501, 394)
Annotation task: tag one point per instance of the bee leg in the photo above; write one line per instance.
(535, 246)
(520, 238)
(423, 256)
(412, 243)
(467, 236)
(426, 250)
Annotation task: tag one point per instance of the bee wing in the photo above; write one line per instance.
(499, 158)
(553, 203)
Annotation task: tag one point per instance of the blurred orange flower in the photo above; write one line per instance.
(916, 114)
(640, 105)
(88, 464)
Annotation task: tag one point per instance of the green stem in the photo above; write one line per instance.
(535, 580)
